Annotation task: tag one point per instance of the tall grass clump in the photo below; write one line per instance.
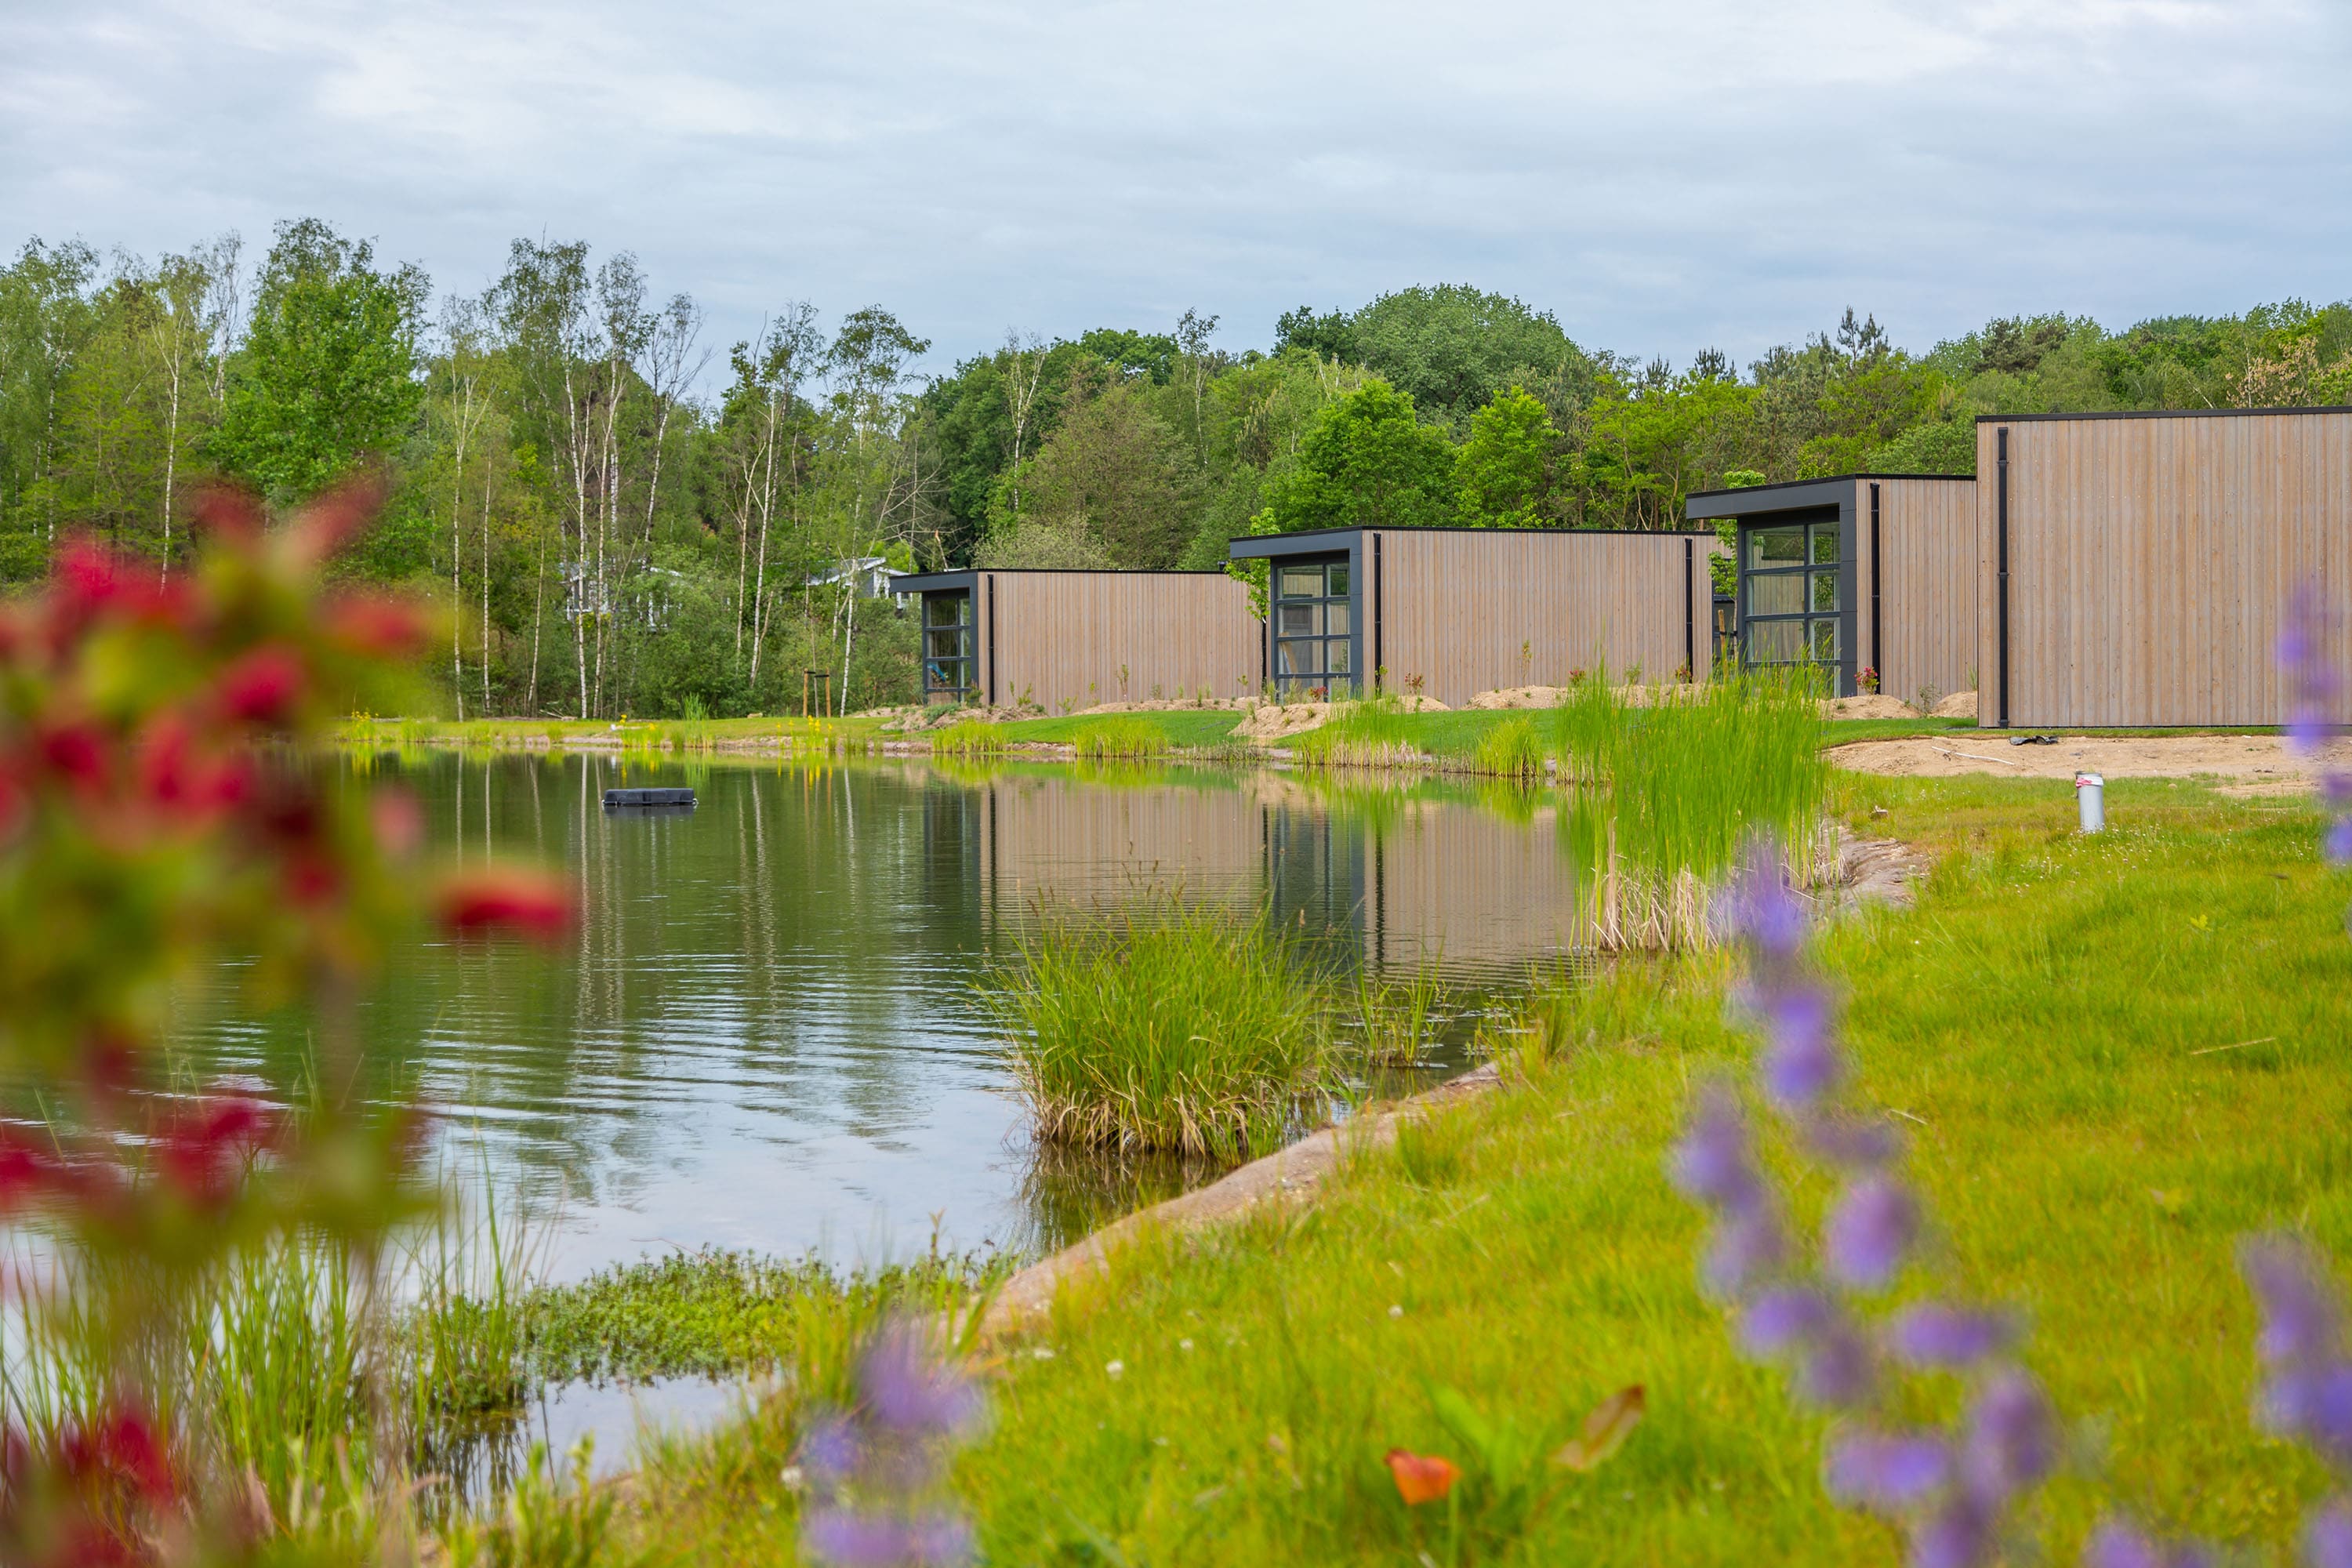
(1669, 792)
(968, 738)
(1511, 749)
(1371, 733)
(1121, 739)
(1165, 1026)
(1399, 1016)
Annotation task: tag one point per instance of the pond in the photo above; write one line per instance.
(765, 1032)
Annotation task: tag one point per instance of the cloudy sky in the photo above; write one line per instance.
(1663, 174)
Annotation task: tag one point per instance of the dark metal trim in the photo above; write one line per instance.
(991, 639)
(1379, 662)
(1253, 546)
(932, 581)
(2000, 442)
(1690, 615)
(916, 581)
(2165, 414)
(1877, 623)
(1825, 480)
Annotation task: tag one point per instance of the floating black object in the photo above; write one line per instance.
(648, 797)
(2016, 740)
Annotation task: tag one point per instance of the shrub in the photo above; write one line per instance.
(1122, 739)
(1511, 749)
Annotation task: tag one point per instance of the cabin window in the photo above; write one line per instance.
(1792, 590)
(1314, 626)
(947, 646)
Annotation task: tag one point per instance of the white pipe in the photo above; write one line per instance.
(2091, 800)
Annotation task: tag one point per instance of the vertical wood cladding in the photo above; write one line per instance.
(1927, 612)
(1480, 610)
(2151, 560)
(1063, 636)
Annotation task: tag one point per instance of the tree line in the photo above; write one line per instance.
(620, 519)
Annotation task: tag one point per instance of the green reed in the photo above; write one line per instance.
(1122, 740)
(1165, 1026)
(968, 738)
(1375, 733)
(1511, 749)
(1670, 791)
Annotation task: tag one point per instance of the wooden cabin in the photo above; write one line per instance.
(1451, 612)
(1067, 640)
(1866, 576)
(2133, 568)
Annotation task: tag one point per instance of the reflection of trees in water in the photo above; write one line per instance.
(1066, 1193)
(792, 961)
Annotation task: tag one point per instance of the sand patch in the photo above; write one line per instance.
(2246, 759)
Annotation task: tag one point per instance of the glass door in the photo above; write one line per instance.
(1791, 602)
(947, 646)
(1313, 626)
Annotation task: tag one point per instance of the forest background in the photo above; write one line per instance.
(627, 518)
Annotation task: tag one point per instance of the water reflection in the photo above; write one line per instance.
(763, 1034)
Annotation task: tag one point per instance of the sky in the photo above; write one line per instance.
(1663, 176)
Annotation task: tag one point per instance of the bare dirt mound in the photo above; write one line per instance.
(2249, 759)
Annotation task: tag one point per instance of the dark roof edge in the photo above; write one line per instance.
(2163, 414)
(1054, 572)
(1825, 480)
(1498, 532)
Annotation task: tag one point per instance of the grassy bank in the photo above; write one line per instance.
(2113, 1056)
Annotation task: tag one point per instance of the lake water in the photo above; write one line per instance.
(765, 1032)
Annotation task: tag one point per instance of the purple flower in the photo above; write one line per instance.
(1745, 1247)
(1766, 913)
(1931, 1334)
(1837, 1372)
(1959, 1534)
(2327, 1536)
(1869, 1232)
(2118, 1545)
(1714, 1163)
(2300, 1322)
(1859, 1143)
(853, 1540)
(830, 1449)
(1887, 1470)
(2314, 1402)
(2013, 1440)
(2336, 844)
(1800, 1061)
(909, 1391)
(1779, 1321)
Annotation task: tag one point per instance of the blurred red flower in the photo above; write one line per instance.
(526, 903)
(1421, 1478)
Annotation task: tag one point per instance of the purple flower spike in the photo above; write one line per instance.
(1858, 1143)
(1766, 912)
(2314, 1402)
(2336, 844)
(1870, 1232)
(1838, 1374)
(1779, 1321)
(1959, 1534)
(1746, 1247)
(908, 1391)
(1800, 1062)
(2328, 1538)
(830, 1450)
(1934, 1335)
(2118, 1545)
(2300, 1322)
(2012, 1441)
(1887, 1471)
(850, 1540)
(1714, 1163)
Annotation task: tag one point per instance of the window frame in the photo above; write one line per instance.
(966, 629)
(1808, 570)
(1322, 640)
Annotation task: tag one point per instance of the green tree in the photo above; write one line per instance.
(46, 315)
(1506, 474)
(328, 372)
(1110, 473)
(1451, 348)
(1367, 462)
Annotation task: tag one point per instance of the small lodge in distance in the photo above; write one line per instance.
(1449, 613)
(1072, 639)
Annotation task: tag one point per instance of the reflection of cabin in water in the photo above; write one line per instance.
(1073, 639)
(1411, 875)
(1451, 612)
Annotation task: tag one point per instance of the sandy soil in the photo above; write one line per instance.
(2255, 764)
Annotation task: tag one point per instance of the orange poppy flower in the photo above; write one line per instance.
(1421, 1478)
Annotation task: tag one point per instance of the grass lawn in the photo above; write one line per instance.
(2113, 1056)
(1182, 726)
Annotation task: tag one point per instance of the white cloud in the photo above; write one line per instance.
(1664, 175)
